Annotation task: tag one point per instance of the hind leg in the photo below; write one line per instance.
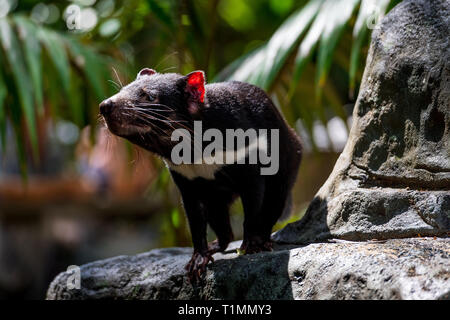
(277, 195)
(256, 238)
(218, 218)
(276, 199)
(271, 205)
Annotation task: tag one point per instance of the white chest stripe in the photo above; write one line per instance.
(192, 171)
(211, 165)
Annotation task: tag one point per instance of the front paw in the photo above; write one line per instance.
(197, 265)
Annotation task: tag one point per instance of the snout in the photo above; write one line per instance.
(106, 107)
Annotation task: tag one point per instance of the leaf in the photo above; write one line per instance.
(309, 42)
(95, 70)
(58, 55)
(56, 48)
(92, 66)
(32, 50)
(11, 47)
(367, 10)
(282, 43)
(242, 69)
(262, 65)
(339, 13)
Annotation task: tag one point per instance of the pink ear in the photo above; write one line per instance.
(146, 72)
(195, 86)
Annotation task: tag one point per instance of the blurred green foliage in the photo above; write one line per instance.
(45, 64)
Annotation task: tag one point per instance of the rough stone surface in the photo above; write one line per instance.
(394, 269)
(393, 178)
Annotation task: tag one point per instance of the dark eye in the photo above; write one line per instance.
(151, 97)
(147, 96)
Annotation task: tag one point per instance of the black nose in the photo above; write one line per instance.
(106, 107)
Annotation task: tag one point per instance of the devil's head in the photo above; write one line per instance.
(147, 110)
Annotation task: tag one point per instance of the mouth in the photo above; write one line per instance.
(124, 125)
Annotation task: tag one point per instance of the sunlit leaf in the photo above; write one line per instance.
(13, 54)
(369, 10)
(262, 66)
(284, 40)
(338, 13)
(310, 41)
(243, 68)
(316, 27)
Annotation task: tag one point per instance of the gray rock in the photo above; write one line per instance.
(393, 178)
(395, 269)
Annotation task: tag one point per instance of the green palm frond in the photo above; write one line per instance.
(360, 32)
(15, 60)
(315, 29)
(33, 59)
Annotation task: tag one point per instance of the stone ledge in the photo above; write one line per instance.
(413, 268)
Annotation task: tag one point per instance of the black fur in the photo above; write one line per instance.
(228, 105)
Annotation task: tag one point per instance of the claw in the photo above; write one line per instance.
(197, 265)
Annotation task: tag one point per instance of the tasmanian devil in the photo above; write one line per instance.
(150, 109)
